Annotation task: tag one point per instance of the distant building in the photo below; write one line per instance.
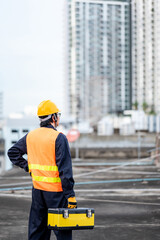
(131, 122)
(146, 54)
(98, 58)
(13, 130)
(2, 159)
(1, 105)
(2, 147)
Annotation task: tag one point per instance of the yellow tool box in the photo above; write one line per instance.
(65, 218)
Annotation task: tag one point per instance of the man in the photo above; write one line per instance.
(49, 164)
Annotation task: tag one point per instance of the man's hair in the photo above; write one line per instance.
(47, 122)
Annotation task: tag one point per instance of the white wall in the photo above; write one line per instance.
(13, 130)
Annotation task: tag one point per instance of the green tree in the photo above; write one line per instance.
(135, 105)
(152, 111)
(145, 106)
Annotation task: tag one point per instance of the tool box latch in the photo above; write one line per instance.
(89, 213)
(65, 213)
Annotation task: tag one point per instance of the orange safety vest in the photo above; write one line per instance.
(42, 159)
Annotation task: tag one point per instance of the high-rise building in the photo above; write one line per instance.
(98, 58)
(146, 54)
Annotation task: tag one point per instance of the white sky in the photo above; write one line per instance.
(31, 53)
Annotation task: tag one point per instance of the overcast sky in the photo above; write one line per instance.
(31, 53)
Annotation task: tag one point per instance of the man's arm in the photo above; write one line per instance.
(16, 152)
(64, 163)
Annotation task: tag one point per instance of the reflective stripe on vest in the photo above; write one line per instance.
(43, 167)
(46, 179)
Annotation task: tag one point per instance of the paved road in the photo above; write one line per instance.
(123, 210)
(116, 219)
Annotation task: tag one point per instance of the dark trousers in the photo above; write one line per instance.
(41, 201)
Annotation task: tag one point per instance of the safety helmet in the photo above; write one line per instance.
(46, 108)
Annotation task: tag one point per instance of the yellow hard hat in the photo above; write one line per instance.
(46, 108)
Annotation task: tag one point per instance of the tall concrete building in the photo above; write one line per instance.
(146, 54)
(98, 58)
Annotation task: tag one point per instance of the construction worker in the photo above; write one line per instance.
(49, 164)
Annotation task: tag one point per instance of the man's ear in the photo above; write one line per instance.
(53, 118)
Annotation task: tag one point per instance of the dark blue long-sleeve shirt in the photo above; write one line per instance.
(63, 160)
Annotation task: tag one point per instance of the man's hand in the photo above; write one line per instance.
(72, 203)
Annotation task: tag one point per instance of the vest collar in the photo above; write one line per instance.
(50, 126)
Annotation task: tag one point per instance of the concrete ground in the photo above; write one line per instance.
(126, 199)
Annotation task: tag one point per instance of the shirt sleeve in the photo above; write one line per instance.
(16, 152)
(64, 163)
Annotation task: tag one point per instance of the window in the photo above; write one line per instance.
(14, 131)
(25, 130)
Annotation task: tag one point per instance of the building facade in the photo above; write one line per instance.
(1, 105)
(13, 130)
(98, 58)
(146, 55)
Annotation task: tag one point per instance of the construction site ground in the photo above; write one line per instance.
(124, 193)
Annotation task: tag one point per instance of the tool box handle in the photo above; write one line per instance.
(89, 213)
(65, 213)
